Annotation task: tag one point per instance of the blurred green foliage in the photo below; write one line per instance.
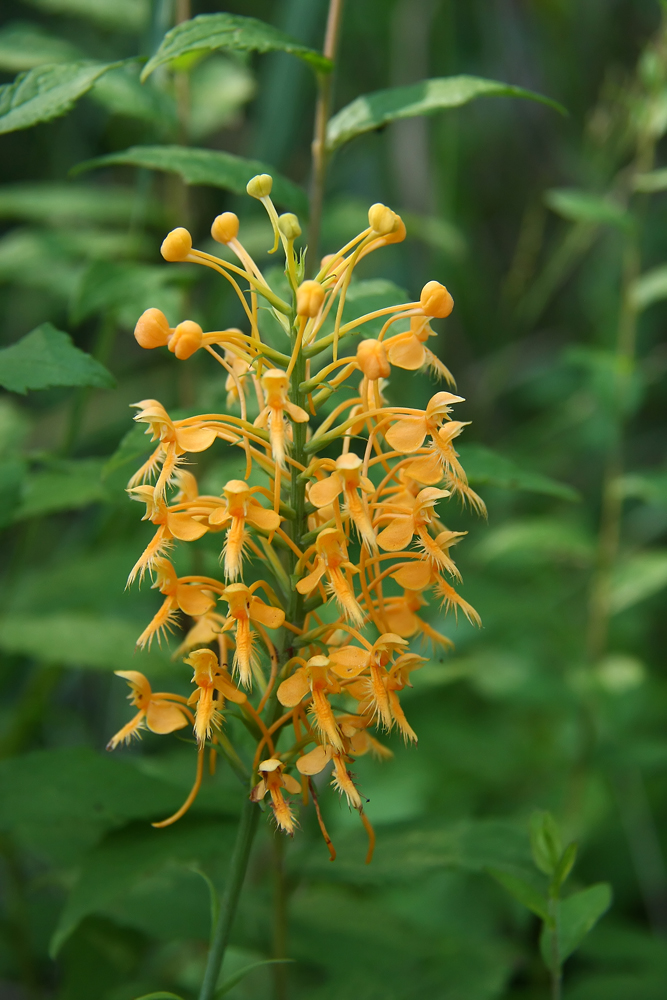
(550, 234)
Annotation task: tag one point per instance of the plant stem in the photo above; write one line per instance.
(279, 916)
(322, 112)
(239, 864)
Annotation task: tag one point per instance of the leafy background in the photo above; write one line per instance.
(517, 210)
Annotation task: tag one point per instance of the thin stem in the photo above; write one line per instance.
(237, 871)
(279, 916)
(322, 112)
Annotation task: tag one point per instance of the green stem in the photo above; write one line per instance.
(244, 838)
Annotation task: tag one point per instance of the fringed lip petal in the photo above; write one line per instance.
(164, 717)
(407, 434)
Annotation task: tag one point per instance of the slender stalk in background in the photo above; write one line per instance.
(322, 113)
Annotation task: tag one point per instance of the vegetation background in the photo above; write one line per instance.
(555, 262)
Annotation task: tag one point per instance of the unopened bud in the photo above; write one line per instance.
(186, 339)
(152, 329)
(288, 224)
(372, 360)
(260, 186)
(381, 219)
(435, 300)
(309, 298)
(177, 245)
(397, 235)
(225, 227)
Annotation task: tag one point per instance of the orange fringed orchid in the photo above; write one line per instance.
(349, 515)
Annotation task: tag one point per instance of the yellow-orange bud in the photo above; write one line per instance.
(381, 219)
(186, 339)
(309, 298)
(260, 186)
(177, 245)
(225, 227)
(372, 359)
(288, 224)
(435, 300)
(397, 235)
(152, 329)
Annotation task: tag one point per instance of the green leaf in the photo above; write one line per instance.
(219, 88)
(655, 180)
(12, 474)
(123, 15)
(67, 485)
(204, 166)
(46, 92)
(25, 46)
(564, 867)
(523, 891)
(126, 857)
(232, 32)
(120, 92)
(486, 467)
(126, 290)
(581, 206)
(651, 486)
(234, 980)
(48, 357)
(649, 288)
(545, 842)
(133, 446)
(537, 539)
(83, 640)
(58, 204)
(59, 802)
(575, 917)
(160, 996)
(372, 111)
(637, 578)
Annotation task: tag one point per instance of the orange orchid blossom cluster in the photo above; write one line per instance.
(329, 544)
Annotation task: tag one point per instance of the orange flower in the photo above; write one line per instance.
(278, 406)
(172, 523)
(210, 680)
(240, 507)
(157, 712)
(410, 518)
(408, 350)
(176, 439)
(330, 561)
(346, 478)
(191, 598)
(245, 607)
(275, 781)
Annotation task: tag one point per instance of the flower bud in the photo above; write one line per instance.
(260, 186)
(152, 329)
(225, 227)
(186, 339)
(435, 300)
(372, 360)
(309, 298)
(397, 235)
(177, 245)
(288, 224)
(381, 219)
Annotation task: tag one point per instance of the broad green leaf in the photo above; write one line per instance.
(120, 92)
(25, 46)
(649, 288)
(76, 639)
(655, 180)
(60, 802)
(564, 867)
(114, 868)
(581, 206)
(367, 296)
(232, 32)
(523, 891)
(134, 445)
(576, 916)
(123, 15)
(46, 92)
(12, 474)
(651, 486)
(545, 841)
(219, 88)
(239, 976)
(204, 166)
(58, 204)
(48, 357)
(637, 578)
(486, 467)
(537, 539)
(126, 290)
(372, 111)
(66, 485)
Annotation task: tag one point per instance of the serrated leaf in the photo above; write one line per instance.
(25, 46)
(649, 288)
(126, 290)
(372, 111)
(654, 180)
(637, 578)
(124, 15)
(239, 976)
(219, 88)
(204, 166)
(124, 858)
(46, 92)
(47, 357)
(120, 92)
(486, 467)
(232, 32)
(58, 204)
(523, 891)
(67, 485)
(581, 206)
(575, 917)
(76, 639)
